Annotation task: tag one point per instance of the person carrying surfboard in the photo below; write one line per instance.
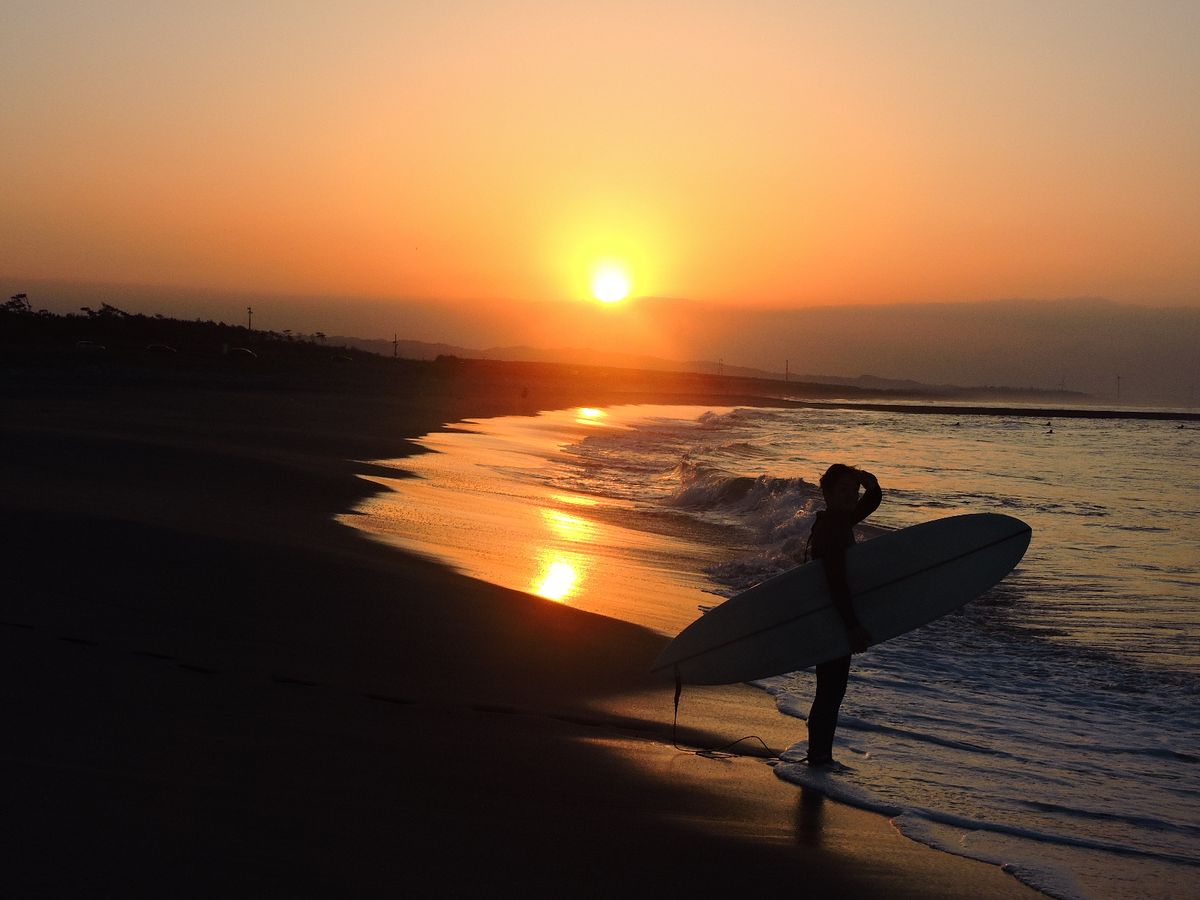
(832, 532)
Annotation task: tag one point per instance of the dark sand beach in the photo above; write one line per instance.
(211, 688)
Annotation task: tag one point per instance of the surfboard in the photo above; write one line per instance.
(898, 582)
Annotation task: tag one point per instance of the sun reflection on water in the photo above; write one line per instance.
(589, 415)
(569, 527)
(560, 573)
(574, 500)
(557, 578)
(482, 505)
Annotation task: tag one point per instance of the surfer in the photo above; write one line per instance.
(832, 532)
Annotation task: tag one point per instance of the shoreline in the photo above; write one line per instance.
(958, 409)
(214, 686)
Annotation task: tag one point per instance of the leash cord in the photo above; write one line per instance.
(722, 752)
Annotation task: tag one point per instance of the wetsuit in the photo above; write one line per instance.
(832, 533)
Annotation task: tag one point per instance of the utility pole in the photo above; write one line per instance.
(249, 319)
(395, 343)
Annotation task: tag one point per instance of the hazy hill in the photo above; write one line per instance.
(1087, 346)
(409, 349)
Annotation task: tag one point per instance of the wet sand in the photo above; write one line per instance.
(211, 687)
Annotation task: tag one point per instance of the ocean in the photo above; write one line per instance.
(1052, 726)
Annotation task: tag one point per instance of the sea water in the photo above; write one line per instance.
(1052, 726)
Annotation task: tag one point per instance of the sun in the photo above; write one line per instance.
(610, 283)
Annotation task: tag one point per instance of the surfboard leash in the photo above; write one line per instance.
(722, 752)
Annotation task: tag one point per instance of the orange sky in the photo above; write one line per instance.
(770, 153)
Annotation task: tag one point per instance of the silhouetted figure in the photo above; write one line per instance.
(832, 532)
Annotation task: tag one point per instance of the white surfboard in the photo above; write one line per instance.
(898, 582)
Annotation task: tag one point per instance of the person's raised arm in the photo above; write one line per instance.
(871, 498)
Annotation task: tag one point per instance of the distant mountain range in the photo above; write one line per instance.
(408, 349)
(1103, 351)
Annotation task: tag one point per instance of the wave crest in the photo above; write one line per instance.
(776, 511)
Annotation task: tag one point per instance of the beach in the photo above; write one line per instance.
(212, 686)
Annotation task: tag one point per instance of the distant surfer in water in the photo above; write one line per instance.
(832, 532)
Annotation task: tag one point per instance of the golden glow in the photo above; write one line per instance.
(623, 233)
(575, 500)
(588, 415)
(560, 572)
(569, 527)
(557, 578)
(469, 167)
(610, 283)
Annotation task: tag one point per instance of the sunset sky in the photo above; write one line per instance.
(774, 154)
